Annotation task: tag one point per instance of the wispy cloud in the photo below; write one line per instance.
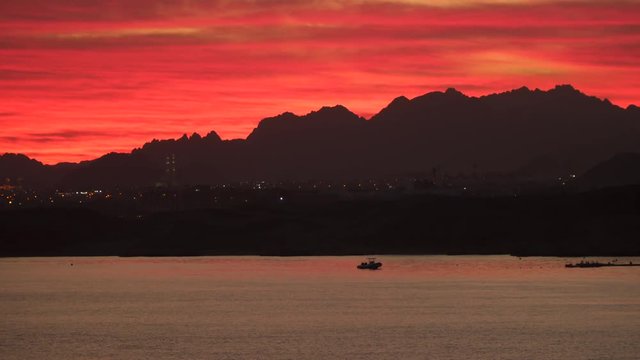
(132, 32)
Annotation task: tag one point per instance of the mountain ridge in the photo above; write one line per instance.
(441, 129)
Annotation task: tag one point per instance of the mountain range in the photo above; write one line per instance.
(525, 133)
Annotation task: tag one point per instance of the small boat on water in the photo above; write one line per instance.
(595, 264)
(370, 264)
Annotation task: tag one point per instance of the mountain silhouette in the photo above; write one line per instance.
(531, 133)
(18, 167)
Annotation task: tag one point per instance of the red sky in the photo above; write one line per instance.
(82, 78)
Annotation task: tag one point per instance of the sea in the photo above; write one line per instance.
(414, 307)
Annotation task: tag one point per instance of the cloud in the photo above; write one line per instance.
(134, 32)
(504, 63)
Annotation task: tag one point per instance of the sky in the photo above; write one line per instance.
(79, 79)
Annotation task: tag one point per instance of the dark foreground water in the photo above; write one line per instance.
(417, 307)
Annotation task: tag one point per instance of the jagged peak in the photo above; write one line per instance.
(336, 109)
(564, 89)
(184, 139)
(212, 135)
(18, 157)
(450, 93)
(561, 89)
(399, 101)
(289, 121)
(396, 105)
(284, 115)
(15, 156)
(522, 89)
(454, 91)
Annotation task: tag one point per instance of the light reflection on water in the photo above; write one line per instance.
(435, 307)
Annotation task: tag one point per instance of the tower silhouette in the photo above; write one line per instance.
(170, 169)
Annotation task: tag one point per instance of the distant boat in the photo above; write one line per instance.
(595, 264)
(370, 264)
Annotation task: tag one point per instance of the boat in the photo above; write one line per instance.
(595, 264)
(370, 264)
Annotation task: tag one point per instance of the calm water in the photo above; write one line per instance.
(417, 307)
